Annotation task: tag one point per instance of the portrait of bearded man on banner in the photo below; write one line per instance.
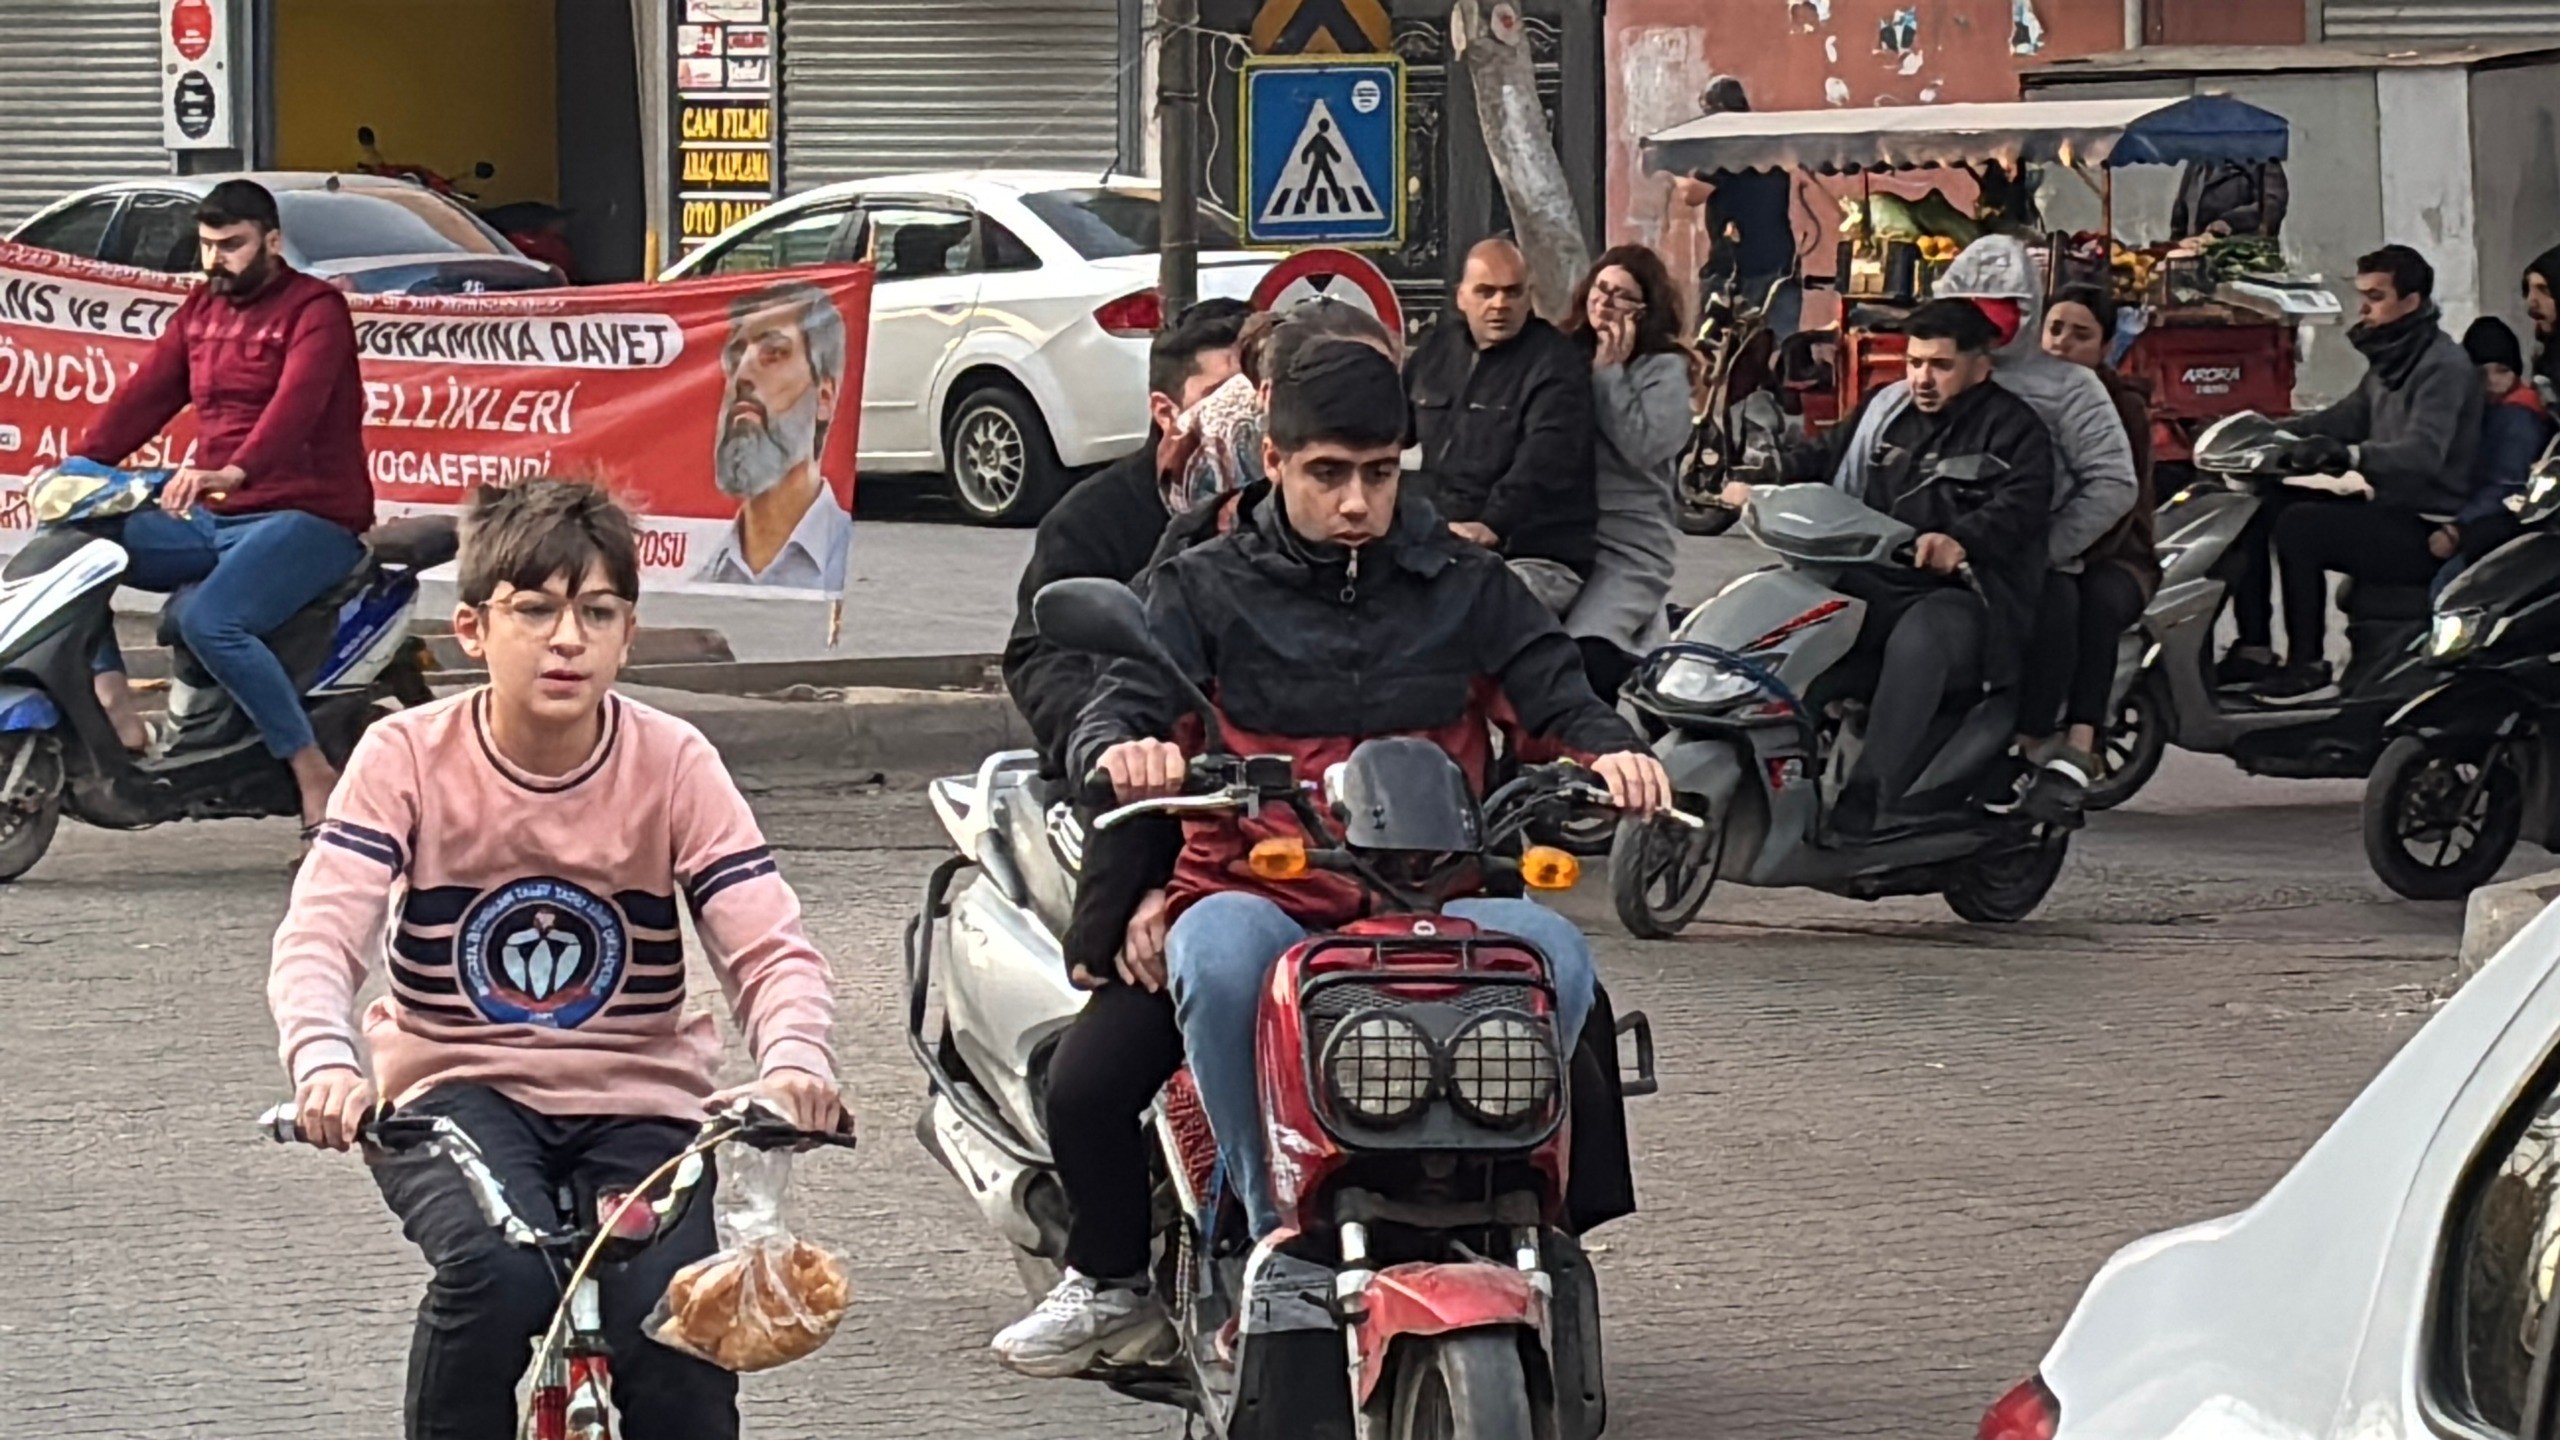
(784, 366)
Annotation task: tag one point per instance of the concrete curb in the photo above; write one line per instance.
(2496, 914)
(848, 736)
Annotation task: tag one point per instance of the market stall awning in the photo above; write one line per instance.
(2083, 132)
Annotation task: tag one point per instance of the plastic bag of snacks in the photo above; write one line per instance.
(766, 1297)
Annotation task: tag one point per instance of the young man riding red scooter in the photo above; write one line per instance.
(1340, 614)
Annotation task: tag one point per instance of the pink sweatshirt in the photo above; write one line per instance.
(534, 945)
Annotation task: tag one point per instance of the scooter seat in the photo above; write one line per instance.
(173, 614)
(2364, 600)
(415, 542)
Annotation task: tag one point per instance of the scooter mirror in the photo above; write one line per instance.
(1103, 616)
(1107, 618)
(1969, 469)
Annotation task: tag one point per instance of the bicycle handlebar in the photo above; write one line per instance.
(750, 1123)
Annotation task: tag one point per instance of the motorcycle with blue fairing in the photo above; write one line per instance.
(349, 652)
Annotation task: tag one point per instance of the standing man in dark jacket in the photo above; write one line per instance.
(264, 519)
(1108, 526)
(2226, 197)
(1970, 466)
(1502, 410)
(2410, 429)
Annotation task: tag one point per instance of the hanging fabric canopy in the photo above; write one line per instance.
(2068, 132)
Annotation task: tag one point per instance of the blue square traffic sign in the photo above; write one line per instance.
(1323, 151)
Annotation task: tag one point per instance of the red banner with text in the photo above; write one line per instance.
(723, 410)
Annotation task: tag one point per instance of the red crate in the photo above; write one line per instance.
(2204, 372)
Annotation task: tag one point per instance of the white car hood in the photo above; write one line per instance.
(2303, 1316)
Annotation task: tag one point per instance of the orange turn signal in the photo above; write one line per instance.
(1543, 867)
(1281, 858)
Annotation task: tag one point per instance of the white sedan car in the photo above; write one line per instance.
(2397, 1284)
(1009, 329)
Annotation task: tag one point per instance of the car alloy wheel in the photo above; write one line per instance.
(989, 461)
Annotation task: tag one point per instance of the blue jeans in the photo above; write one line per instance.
(1218, 957)
(251, 574)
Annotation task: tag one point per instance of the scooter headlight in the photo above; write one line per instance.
(2453, 632)
(1503, 1068)
(1695, 681)
(1381, 1068)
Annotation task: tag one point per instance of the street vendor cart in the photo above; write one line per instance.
(2210, 325)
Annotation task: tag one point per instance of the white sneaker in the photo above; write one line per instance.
(1079, 1325)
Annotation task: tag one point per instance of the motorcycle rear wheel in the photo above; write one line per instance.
(2130, 751)
(1464, 1386)
(2410, 824)
(2003, 887)
(27, 827)
(1660, 875)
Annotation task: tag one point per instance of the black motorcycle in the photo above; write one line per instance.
(2473, 764)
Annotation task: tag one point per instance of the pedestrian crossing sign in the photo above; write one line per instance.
(1323, 151)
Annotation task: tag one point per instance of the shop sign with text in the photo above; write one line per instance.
(728, 155)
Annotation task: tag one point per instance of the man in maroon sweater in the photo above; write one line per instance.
(266, 518)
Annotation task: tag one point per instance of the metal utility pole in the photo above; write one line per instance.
(1178, 113)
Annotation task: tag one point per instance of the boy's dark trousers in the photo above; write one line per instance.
(490, 1300)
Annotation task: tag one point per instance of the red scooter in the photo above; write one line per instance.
(1427, 1282)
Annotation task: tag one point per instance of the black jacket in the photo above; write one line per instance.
(1259, 619)
(1123, 863)
(2414, 419)
(1507, 437)
(2000, 521)
(1106, 527)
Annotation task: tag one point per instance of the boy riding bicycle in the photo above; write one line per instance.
(537, 834)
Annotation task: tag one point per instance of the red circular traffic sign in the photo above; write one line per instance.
(191, 28)
(1324, 273)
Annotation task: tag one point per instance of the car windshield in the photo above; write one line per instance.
(1104, 223)
(357, 224)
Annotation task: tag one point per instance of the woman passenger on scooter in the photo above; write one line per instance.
(1332, 613)
(2071, 664)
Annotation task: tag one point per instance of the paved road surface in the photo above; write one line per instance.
(1890, 1148)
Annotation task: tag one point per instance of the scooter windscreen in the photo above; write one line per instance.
(1401, 793)
(2244, 443)
(1819, 525)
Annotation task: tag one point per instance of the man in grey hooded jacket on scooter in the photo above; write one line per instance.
(2094, 481)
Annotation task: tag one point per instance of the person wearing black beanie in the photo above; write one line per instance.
(2491, 341)
(2515, 427)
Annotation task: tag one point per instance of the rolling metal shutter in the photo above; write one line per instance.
(2440, 22)
(79, 98)
(882, 87)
